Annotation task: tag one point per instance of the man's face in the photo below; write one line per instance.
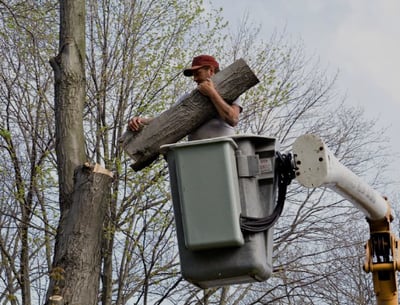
(202, 74)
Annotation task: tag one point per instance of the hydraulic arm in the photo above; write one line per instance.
(316, 166)
(382, 260)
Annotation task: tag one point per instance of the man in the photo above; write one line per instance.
(202, 69)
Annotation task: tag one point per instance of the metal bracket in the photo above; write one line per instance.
(247, 166)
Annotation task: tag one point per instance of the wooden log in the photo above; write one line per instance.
(172, 125)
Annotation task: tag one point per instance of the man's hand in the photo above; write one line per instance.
(207, 88)
(136, 123)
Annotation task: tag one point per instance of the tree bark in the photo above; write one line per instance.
(180, 120)
(77, 263)
(70, 94)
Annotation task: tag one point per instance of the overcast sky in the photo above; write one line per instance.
(358, 38)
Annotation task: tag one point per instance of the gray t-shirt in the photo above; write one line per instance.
(213, 128)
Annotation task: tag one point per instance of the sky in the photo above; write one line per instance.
(358, 38)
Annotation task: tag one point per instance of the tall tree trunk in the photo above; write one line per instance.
(84, 189)
(70, 93)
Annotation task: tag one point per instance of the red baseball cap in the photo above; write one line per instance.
(199, 62)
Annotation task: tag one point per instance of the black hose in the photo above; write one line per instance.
(284, 173)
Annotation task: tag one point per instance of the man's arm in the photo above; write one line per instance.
(229, 113)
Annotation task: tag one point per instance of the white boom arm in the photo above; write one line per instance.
(316, 166)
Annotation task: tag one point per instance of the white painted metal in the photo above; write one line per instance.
(318, 167)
